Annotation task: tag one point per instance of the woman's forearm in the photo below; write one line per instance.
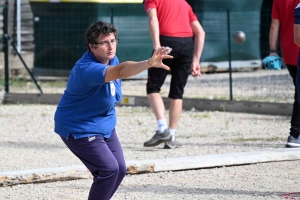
(131, 68)
(126, 69)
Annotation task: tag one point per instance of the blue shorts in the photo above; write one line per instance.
(180, 65)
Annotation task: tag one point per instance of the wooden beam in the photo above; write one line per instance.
(151, 166)
(43, 175)
(232, 159)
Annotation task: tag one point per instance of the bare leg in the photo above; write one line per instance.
(174, 116)
(174, 112)
(158, 108)
(157, 105)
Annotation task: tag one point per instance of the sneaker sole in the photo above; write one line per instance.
(169, 147)
(162, 140)
(292, 145)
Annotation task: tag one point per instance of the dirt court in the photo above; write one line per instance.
(28, 142)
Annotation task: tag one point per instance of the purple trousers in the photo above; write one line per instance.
(104, 159)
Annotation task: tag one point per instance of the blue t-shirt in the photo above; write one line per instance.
(87, 107)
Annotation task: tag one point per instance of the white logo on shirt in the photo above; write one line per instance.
(91, 138)
(112, 88)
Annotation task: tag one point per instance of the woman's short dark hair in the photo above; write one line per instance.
(99, 28)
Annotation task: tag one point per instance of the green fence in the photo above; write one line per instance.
(59, 32)
(59, 42)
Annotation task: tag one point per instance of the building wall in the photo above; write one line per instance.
(27, 34)
(16, 67)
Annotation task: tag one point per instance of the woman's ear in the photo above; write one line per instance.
(91, 46)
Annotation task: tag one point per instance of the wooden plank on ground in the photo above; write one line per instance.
(219, 160)
(43, 175)
(150, 166)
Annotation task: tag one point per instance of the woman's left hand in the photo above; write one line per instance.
(157, 57)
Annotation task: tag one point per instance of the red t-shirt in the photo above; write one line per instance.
(174, 17)
(283, 10)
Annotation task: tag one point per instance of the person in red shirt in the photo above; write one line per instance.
(172, 23)
(282, 27)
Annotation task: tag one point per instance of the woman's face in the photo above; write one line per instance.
(105, 49)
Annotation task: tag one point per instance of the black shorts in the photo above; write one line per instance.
(182, 52)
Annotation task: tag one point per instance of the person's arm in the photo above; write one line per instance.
(130, 68)
(199, 37)
(297, 25)
(273, 36)
(153, 27)
(297, 34)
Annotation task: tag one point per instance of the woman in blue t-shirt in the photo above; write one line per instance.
(85, 117)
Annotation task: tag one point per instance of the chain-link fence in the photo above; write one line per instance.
(59, 41)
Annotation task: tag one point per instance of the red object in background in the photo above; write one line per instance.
(291, 195)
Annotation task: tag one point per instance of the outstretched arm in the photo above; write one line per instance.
(130, 68)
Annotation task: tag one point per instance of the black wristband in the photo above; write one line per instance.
(273, 51)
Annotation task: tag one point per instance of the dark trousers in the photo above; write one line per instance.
(295, 120)
(180, 65)
(104, 159)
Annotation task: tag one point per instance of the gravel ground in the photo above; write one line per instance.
(28, 142)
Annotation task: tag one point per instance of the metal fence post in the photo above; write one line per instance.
(229, 53)
(5, 44)
(112, 15)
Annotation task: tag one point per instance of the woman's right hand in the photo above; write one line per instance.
(157, 57)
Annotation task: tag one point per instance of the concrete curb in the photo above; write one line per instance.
(150, 166)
